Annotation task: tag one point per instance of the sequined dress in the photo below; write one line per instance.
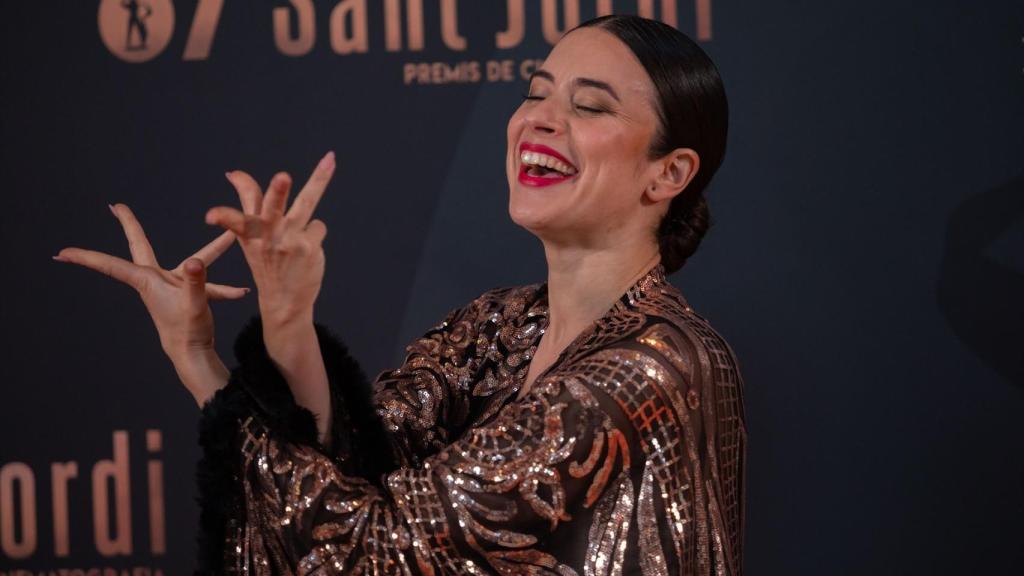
(626, 456)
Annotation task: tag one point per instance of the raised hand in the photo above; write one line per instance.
(284, 249)
(177, 299)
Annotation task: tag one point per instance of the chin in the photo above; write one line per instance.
(531, 208)
(525, 218)
(548, 212)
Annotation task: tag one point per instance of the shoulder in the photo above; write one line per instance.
(504, 297)
(498, 304)
(657, 349)
(684, 337)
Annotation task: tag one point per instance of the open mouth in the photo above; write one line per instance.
(545, 166)
(540, 165)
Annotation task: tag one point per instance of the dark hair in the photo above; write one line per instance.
(694, 114)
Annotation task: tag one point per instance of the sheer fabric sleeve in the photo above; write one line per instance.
(456, 372)
(424, 402)
(596, 463)
(483, 504)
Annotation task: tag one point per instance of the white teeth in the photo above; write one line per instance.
(538, 159)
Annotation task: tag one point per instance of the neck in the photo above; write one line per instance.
(583, 285)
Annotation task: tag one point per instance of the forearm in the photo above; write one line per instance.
(201, 371)
(294, 349)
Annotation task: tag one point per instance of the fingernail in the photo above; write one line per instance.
(228, 174)
(112, 211)
(246, 290)
(58, 258)
(328, 159)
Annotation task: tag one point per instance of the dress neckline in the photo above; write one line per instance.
(638, 291)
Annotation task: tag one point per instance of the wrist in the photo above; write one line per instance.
(185, 352)
(286, 339)
(284, 318)
(201, 371)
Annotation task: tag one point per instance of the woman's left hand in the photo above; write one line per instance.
(284, 249)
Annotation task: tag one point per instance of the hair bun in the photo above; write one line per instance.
(682, 230)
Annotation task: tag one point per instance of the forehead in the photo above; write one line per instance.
(597, 54)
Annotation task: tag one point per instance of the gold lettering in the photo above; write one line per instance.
(549, 18)
(393, 25)
(60, 473)
(155, 478)
(703, 19)
(22, 474)
(668, 11)
(500, 71)
(511, 37)
(442, 72)
(303, 43)
(645, 8)
(527, 68)
(204, 25)
(355, 39)
(450, 25)
(116, 471)
(414, 22)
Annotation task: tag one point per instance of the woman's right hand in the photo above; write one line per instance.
(177, 299)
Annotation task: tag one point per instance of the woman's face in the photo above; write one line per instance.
(578, 146)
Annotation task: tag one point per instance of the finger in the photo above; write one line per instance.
(249, 193)
(317, 230)
(222, 292)
(138, 244)
(195, 284)
(307, 199)
(230, 218)
(117, 268)
(277, 197)
(209, 253)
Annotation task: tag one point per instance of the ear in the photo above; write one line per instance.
(675, 171)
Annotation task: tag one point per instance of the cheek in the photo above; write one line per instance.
(613, 156)
(515, 125)
(512, 132)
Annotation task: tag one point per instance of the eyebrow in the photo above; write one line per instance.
(585, 82)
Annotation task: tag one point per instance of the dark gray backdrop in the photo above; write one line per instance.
(867, 261)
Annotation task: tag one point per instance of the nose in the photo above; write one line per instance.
(545, 117)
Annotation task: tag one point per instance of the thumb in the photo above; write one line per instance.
(195, 280)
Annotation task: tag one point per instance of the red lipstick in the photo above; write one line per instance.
(539, 181)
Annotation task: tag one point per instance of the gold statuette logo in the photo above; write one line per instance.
(136, 30)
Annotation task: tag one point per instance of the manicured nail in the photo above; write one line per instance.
(59, 258)
(328, 159)
(112, 211)
(228, 174)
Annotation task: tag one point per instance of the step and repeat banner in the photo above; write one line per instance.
(866, 261)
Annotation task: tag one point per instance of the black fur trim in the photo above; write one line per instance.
(354, 417)
(359, 443)
(217, 473)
